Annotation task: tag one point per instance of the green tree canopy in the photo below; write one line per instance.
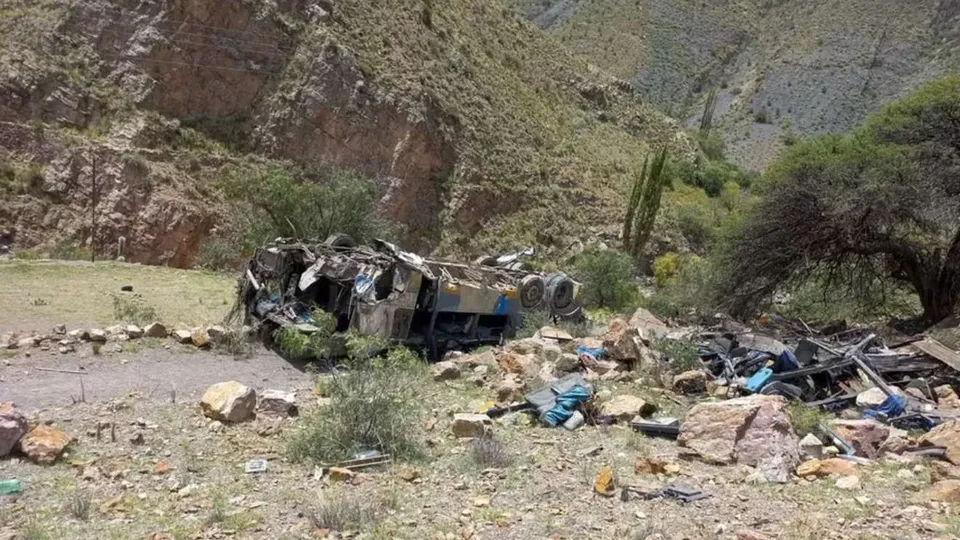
(882, 202)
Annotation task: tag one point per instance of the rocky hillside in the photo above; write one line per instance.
(781, 68)
(480, 131)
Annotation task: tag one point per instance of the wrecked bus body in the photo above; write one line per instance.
(382, 290)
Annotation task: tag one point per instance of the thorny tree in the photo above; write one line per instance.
(882, 203)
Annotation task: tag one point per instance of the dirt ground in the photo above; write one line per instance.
(546, 492)
(186, 479)
(35, 295)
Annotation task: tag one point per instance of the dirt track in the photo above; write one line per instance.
(155, 373)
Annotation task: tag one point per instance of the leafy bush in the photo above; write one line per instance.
(299, 345)
(665, 267)
(682, 354)
(219, 253)
(133, 309)
(607, 278)
(375, 403)
(276, 202)
(805, 419)
(690, 287)
(67, 250)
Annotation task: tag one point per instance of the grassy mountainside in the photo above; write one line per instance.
(480, 131)
(781, 68)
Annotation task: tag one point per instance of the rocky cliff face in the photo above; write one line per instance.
(781, 68)
(472, 123)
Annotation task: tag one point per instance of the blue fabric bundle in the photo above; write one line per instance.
(566, 404)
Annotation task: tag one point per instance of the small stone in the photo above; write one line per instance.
(826, 467)
(811, 447)
(409, 474)
(133, 331)
(60, 329)
(445, 371)
(848, 482)
(155, 330)
(481, 502)
(73, 334)
(216, 332)
(339, 474)
(200, 338)
(136, 439)
(471, 425)
(162, 467)
(27, 343)
(183, 336)
(568, 363)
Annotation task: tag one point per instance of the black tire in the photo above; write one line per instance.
(340, 240)
(560, 292)
(531, 290)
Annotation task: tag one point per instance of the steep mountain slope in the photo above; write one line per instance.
(781, 67)
(480, 131)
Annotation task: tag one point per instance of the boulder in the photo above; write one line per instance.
(98, 335)
(216, 332)
(200, 338)
(525, 346)
(27, 342)
(134, 331)
(943, 491)
(547, 373)
(44, 444)
(897, 442)
(277, 402)
(8, 341)
(524, 365)
(183, 336)
(811, 447)
(485, 358)
(13, 426)
(568, 363)
(690, 382)
(624, 407)
(648, 325)
(602, 367)
(769, 442)
(943, 471)
(946, 397)
(551, 334)
(622, 343)
(947, 435)
(551, 353)
(229, 402)
(866, 436)
(826, 467)
(155, 330)
(752, 430)
(114, 330)
(340, 474)
(510, 389)
(471, 425)
(445, 371)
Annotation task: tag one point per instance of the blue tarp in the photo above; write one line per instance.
(566, 404)
(891, 407)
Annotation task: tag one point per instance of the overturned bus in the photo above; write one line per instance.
(382, 290)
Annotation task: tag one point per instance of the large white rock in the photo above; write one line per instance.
(229, 401)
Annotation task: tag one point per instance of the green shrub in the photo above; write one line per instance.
(220, 254)
(682, 354)
(277, 202)
(375, 403)
(806, 419)
(607, 278)
(133, 309)
(67, 250)
(665, 267)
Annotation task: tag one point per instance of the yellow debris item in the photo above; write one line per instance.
(606, 483)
